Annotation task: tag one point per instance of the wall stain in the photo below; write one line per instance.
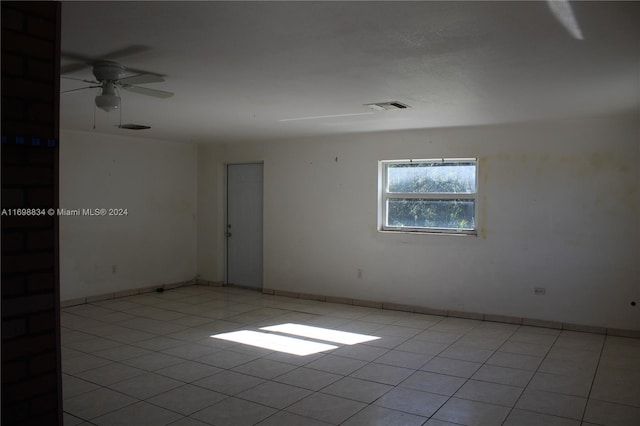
(483, 215)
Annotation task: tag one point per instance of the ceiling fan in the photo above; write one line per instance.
(110, 76)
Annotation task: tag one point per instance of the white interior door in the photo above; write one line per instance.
(244, 225)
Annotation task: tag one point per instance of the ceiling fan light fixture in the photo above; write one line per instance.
(108, 100)
(108, 103)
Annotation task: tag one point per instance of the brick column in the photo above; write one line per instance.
(31, 377)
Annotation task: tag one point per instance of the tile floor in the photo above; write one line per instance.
(149, 360)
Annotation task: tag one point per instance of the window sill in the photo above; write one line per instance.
(447, 233)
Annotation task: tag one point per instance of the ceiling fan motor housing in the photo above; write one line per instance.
(108, 70)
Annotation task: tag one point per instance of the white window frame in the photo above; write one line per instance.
(384, 196)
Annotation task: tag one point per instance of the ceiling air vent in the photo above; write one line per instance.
(385, 106)
(133, 127)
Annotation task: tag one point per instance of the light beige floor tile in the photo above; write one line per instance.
(503, 375)
(69, 420)
(373, 415)
(534, 338)
(96, 403)
(189, 350)
(228, 382)
(187, 399)
(145, 385)
(436, 422)
(73, 386)
(511, 360)
(110, 374)
(480, 342)
(283, 418)
(552, 403)
(387, 342)
(617, 385)
(308, 378)
(131, 337)
(404, 359)
(188, 371)
(82, 362)
(582, 341)
(456, 325)
(264, 368)
(522, 348)
(361, 352)
(492, 393)
(466, 353)
(572, 354)
(439, 336)
(568, 368)
(432, 382)
(226, 358)
(294, 359)
(451, 367)
(93, 345)
(357, 389)
(188, 421)
(153, 361)
(274, 394)
(382, 373)
(234, 412)
(530, 418)
(568, 385)
(610, 414)
(153, 326)
(121, 353)
(159, 343)
(471, 413)
(326, 408)
(395, 330)
(192, 320)
(337, 364)
(423, 347)
(412, 401)
(140, 413)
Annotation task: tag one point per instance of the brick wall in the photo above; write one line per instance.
(31, 385)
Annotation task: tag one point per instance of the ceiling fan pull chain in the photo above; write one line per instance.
(94, 116)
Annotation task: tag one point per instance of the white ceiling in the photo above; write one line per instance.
(238, 69)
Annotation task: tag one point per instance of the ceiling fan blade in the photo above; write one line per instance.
(148, 92)
(81, 88)
(76, 57)
(70, 68)
(79, 79)
(141, 79)
(83, 61)
(134, 49)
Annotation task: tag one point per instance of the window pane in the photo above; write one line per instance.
(450, 214)
(440, 177)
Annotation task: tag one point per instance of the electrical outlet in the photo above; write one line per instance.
(539, 291)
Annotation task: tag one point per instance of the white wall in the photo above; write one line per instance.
(155, 243)
(210, 213)
(558, 208)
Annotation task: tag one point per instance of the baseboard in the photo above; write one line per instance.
(533, 322)
(124, 293)
(200, 281)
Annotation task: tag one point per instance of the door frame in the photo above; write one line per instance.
(226, 215)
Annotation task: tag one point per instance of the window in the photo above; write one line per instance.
(435, 196)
